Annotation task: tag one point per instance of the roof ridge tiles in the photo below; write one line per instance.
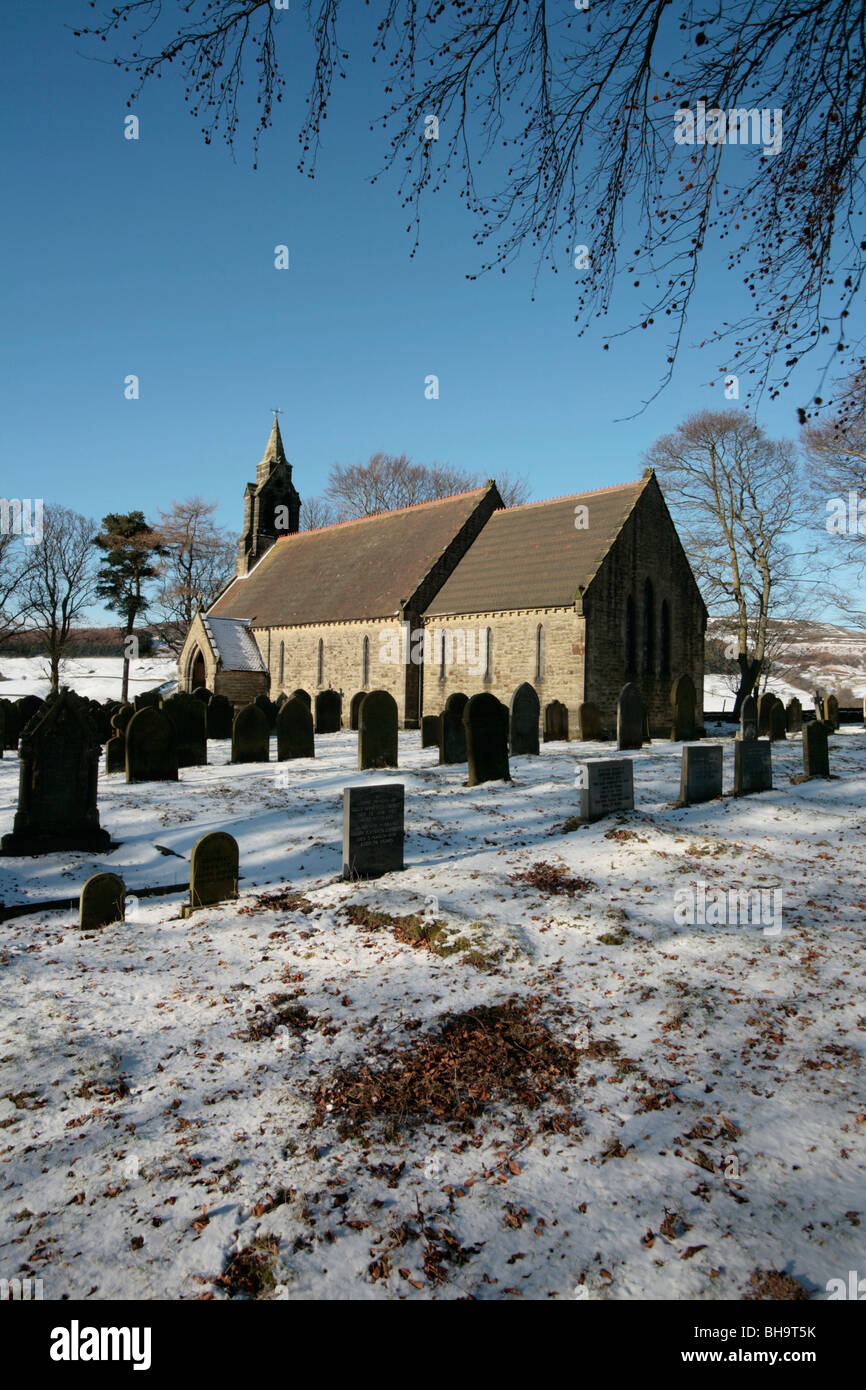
(377, 516)
(568, 496)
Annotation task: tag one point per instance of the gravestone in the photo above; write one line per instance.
(189, 719)
(57, 781)
(267, 709)
(355, 709)
(794, 716)
(377, 730)
(555, 722)
(295, 737)
(115, 753)
(220, 717)
(748, 730)
(452, 735)
(373, 830)
(328, 712)
(831, 711)
(525, 714)
(213, 871)
(202, 693)
(778, 722)
(148, 699)
(816, 751)
(430, 731)
(302, 695)
(251, 739)
(753, 766)
(5, 717)
(102, 901)
(280, 701)
(151, 747)
(630, 718)
(765, 704)
(683, 702)
(27, 706)
(589, 722)
(485, 722)
(606, 786)
(13, 725)
(701, 776)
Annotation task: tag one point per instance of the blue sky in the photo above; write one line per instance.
(156, 257)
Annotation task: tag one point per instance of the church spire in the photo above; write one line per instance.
(274, 452)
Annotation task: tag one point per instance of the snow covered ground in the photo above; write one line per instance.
(168, 1096)
(97, 676)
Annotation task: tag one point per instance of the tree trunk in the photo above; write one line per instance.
(54, 668)
(749, 672)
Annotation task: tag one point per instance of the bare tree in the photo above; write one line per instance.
(16, 559)
(61, 580)
(735, 496)
(198, 560)
(315, 513)
(592, 113)
(389, 481)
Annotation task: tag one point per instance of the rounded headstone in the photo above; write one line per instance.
(102, 901)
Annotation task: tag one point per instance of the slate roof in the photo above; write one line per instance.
(232, 640)
(349, 572)
(533, 556)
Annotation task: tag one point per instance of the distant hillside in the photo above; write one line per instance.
(83, 641)
(805, 656)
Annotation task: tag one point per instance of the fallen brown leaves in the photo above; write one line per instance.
(552, 878)
(770, 1284)
(453, 1074)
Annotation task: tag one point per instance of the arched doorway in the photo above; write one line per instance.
(198, 675)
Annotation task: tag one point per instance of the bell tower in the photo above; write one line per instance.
(272, 505)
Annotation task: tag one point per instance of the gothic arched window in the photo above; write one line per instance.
(649, 626)
(539, 653)
(282, 663)
(488, 654)
(665, 664)
(365, 661)
(629, 636)
(320, 665)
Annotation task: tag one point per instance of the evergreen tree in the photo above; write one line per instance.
(130, 546)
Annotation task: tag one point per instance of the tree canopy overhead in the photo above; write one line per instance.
(574, 112)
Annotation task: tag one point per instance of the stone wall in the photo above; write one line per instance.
(515, 638)
(342, 664)
(648, 548)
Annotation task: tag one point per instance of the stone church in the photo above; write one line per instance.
(577, 596)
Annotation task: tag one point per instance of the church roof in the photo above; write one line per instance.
(349, 572)
(534, 556)
(233, 642)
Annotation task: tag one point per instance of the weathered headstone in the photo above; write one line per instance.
(555, 722)
(377, 730)
(147, 699)
(268, 710)
(452, 735)
(295, 737)
(831, 711)
(220, 717)
(5, 733)
(302, 695)
(765, 704)
(589, 722)
(794, 716)
(816, 751)
(189, 718)
(102, 901)
(13, 725)
(701, 776)
(202, 693)
(753, 766)
(373, 830)
(778, 722)
(606, 786)
(430, 731)
(748, 729)
(684, 728)
(151, 747)
(485, 722)
(2, 726)
(115, 753)
(59, 769)
(329, 706)
(525, 714)
(213, 870)
(355, 709)
(251, 739)
(630, 718)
